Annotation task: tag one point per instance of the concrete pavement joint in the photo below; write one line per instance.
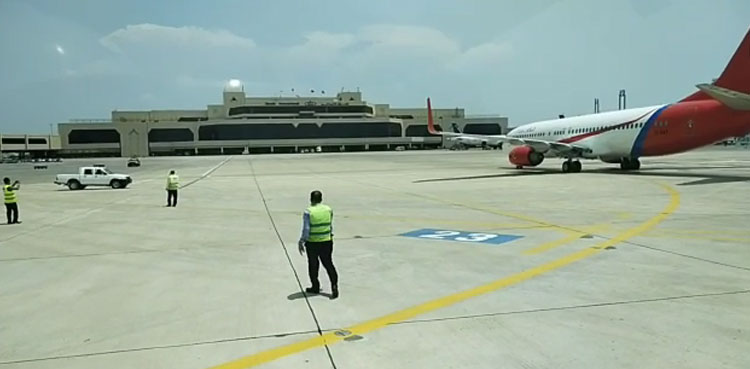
(159, 347)
(289, 259)
(142, 251)
(576, 307)
(687, 256)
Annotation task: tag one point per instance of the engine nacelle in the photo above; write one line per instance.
(525, 156)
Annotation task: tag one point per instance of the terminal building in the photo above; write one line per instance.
(245, 124)
(35, 146)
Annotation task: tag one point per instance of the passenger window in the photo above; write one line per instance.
(100, 172)
(88, 172)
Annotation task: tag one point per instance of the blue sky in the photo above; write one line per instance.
(527, 60)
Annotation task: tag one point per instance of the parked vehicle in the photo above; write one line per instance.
(134, 162)
(93, 176)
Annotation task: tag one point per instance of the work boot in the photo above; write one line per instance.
(314, 290)
(335, 292)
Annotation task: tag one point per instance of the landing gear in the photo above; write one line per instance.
(630, 164)
(570, 166)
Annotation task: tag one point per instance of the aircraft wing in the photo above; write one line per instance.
(558, 148)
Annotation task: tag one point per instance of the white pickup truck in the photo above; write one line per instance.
(93, 176)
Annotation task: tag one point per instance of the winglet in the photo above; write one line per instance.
(736, 75)
(430, 121)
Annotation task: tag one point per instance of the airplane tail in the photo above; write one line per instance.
(735, 77)
(430, 119)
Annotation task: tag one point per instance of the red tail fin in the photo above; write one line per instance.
(430, 121)
(736, 75)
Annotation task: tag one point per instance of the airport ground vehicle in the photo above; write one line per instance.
(10, 158)
(134, 162)
(718, 111)
(93, 176)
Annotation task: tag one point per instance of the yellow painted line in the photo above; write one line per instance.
(496, 212)
(371, 325)
(572, 236)
(545, 224)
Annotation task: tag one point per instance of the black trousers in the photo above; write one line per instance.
(323, 252)
(171, 194)
(11, 211)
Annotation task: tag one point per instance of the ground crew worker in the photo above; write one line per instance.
(317, 239)
(173, 184)
(11, 200)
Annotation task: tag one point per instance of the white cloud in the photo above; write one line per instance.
(319, 48)
(153, 34)
(411, 39)
(481, 56)
(326, 40)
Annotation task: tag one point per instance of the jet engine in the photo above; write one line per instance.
(525, 156)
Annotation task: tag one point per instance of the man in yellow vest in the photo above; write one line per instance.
(173, 184)
(11, 200)
(317, 239)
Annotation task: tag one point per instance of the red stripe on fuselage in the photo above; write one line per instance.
(692, 124)
(611, 128)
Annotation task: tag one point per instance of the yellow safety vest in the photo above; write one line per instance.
(9, 195)
(173, 182)
(321, 217)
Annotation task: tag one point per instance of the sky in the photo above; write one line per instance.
(527, 60)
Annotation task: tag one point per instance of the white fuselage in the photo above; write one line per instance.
(608, 135)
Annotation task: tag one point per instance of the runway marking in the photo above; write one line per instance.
(408, 313)
(461, 236)
(572, 236)
(207, 173)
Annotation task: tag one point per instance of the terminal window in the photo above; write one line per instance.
(14, 141)
(170, 135)
(92, 136)
(268, 131)
(483, 128)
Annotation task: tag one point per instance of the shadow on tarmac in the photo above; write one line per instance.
(702, 178)
(301, 295)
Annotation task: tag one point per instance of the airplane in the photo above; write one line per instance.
(715, 112)
(463, 141)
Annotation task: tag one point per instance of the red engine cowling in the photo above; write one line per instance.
(525, 156)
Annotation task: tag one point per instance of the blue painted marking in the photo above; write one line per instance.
(638, 144)
(460, 236)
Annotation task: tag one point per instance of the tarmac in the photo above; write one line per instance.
(446, 260)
